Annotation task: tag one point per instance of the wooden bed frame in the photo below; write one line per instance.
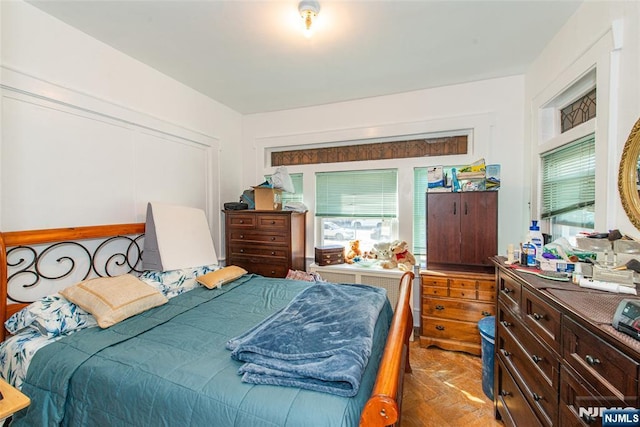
(383, 406)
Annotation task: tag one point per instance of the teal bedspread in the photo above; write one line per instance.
(169, 366)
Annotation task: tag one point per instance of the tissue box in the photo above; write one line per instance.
(268, 199)
(558, 265)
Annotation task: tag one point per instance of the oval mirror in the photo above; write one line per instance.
(629, 176)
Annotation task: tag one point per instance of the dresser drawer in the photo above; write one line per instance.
(435, 291)
(610, 372)
(241, 221)
(463, 293)
(544, 362)
(580, 404)
(236, 236)
(511, 402)
(434, 327)
(463, 283)
(542, 319)
(268, 222)
(249, 250)
(541, 394)
(446, 308)
(509, 291)
(439, 281)
(267, 270)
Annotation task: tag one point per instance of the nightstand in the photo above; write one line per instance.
(12, 400)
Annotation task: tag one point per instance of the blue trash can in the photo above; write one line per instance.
(487, 327)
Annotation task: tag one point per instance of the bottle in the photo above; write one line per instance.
(536, 237)
(529, 250)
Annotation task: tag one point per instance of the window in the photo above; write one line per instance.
(296, 178)
(420, 215)
(568, 187)
(359, 205)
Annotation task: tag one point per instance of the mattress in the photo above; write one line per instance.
(169, 366)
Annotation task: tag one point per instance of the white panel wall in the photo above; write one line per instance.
(493, 109)
(102, 132)
(606, 35)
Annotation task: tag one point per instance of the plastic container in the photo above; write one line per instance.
(536, 237)
(487, 327)
(529, 251)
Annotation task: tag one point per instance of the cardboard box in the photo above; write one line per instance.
(268, 199)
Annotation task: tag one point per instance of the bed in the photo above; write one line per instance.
(129, 373)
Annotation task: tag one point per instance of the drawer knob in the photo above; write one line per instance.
(440, 327)
(273, 238)
(505, 352)
(588, 418)
(241, 251)
(505, 323)
(273, 222)
(592, 360)
(273, 253)
(241, 221)
(505, 393)
(536, 359)
(537, 397)
(242, 236)
(506, 291)
(486, 313)
(538, 316)
(439, 307)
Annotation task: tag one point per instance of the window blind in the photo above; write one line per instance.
(368, 193)
(568, 177)
(419, 211)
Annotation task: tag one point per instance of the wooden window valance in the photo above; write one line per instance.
(425, 147)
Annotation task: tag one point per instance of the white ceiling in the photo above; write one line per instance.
(252, 55)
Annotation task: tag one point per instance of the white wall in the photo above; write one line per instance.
(45, 61)
(492, 108)
(604, 35)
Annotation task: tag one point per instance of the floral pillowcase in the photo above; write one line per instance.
(52, 316)
(175, 282)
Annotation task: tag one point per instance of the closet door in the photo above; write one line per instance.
(443, 228)
(478, 227)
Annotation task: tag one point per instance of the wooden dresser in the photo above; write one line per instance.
(558, 359)
(458, 286)
(452, 304)
(268, 243)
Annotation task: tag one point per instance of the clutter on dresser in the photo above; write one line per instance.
(605, 261)
(478, 176)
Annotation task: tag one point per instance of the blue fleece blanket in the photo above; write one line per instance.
(320, 341)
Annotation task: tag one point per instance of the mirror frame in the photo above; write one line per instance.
(628, 175)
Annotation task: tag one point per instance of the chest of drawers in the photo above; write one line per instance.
(558, 359)
(268, 243)
(452, 304)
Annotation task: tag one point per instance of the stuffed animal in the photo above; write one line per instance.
(401, 258)
(352, 251)
(381, 251)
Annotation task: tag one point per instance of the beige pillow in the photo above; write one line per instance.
(216, 279)
(113, 299)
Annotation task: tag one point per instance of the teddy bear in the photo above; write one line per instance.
(353, 251)
(401, 258)
(381, 251)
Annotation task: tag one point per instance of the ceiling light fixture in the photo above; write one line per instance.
(309, 10)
